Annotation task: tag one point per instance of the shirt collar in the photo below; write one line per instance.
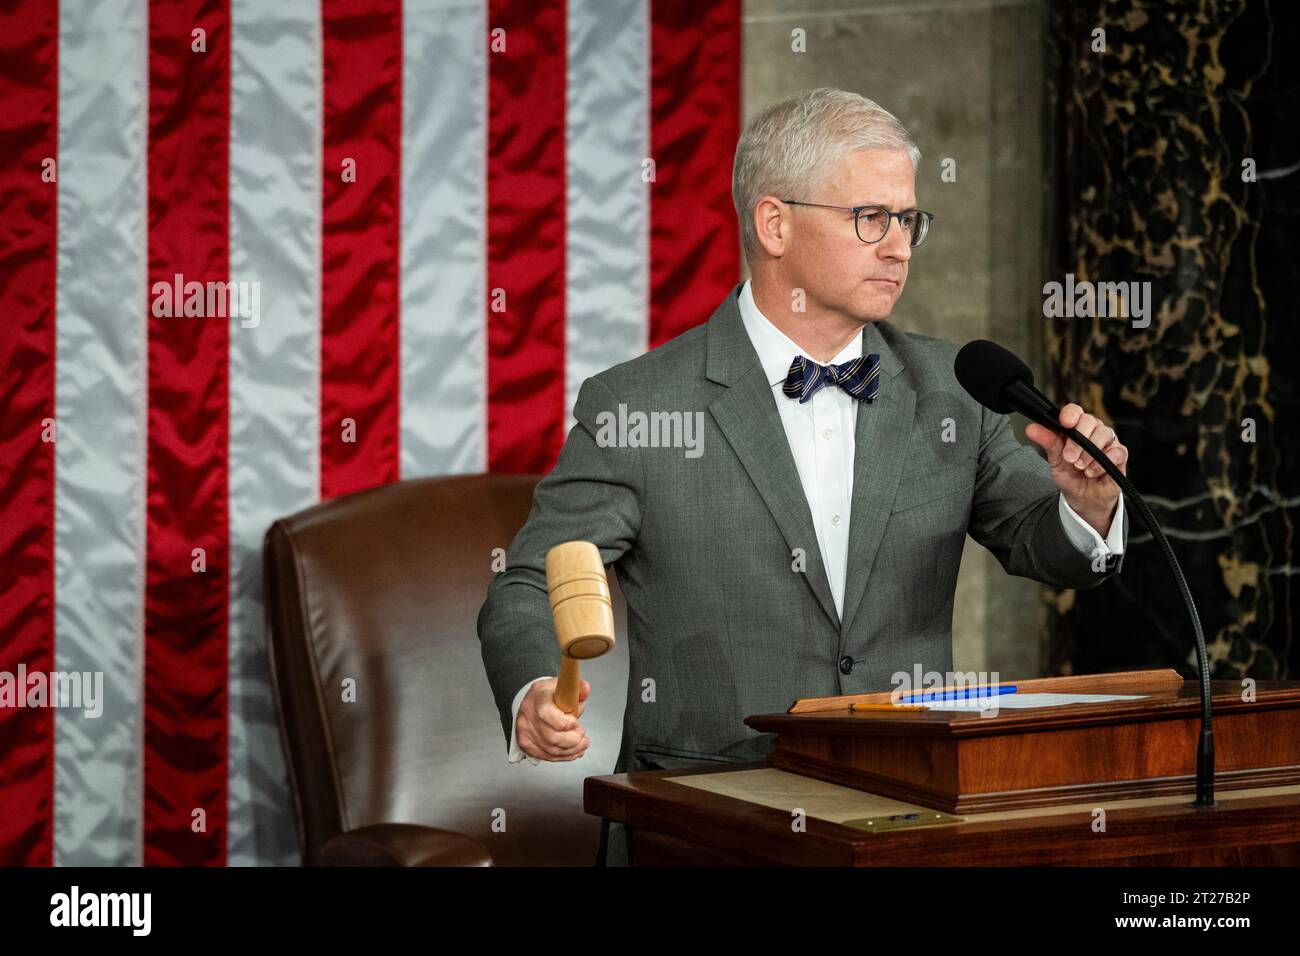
(775, 349)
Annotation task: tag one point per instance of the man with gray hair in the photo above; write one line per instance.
(812, 548)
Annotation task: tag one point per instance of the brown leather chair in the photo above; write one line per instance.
(391, 735)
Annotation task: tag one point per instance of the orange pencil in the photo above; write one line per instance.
(885, 707)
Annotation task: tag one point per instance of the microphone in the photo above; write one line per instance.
(999, 381)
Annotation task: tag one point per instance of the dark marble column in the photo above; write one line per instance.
(1149, 143)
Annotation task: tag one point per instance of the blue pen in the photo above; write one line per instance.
(964, 693)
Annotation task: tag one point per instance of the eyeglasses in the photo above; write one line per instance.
(872, 222)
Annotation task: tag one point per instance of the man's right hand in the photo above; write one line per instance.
(544, 731)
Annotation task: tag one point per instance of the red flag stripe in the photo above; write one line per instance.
(694, 125)
(360, 244)
(29, 43)
(187, 591)
(526, 234)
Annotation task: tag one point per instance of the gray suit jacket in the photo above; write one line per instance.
(717, 618)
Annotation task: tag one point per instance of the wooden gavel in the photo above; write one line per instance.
(584, 617)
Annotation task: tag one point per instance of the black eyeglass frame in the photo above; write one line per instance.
(857, 217)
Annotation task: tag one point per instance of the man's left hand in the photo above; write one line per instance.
(1088, 490)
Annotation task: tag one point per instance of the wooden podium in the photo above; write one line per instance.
(1024, 786)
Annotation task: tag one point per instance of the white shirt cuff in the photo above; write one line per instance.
(515, 754)
(1085, 537)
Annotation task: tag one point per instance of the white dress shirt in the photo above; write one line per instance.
(821, 437)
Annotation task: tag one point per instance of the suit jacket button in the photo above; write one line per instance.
(846, 665)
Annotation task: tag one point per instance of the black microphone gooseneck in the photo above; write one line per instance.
(998, 380)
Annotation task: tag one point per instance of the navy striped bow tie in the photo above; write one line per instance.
(860, 377)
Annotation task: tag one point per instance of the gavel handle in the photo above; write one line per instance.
(566, 688)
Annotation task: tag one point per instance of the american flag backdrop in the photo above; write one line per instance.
(452, 212)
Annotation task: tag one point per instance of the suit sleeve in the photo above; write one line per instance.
(1015, 513)
(594, 493)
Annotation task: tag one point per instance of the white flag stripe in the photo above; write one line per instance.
(608, 139)
(100, 403)
(275, 214)
(444, 238)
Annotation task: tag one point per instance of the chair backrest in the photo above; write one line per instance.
(384, 707)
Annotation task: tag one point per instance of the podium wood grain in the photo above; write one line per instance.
(1025, 784)
(672, 822)
(962, 762)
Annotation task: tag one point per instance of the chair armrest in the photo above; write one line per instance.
(402, 844)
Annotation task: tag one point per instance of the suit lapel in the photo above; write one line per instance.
(880, 441)
(747, 416)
